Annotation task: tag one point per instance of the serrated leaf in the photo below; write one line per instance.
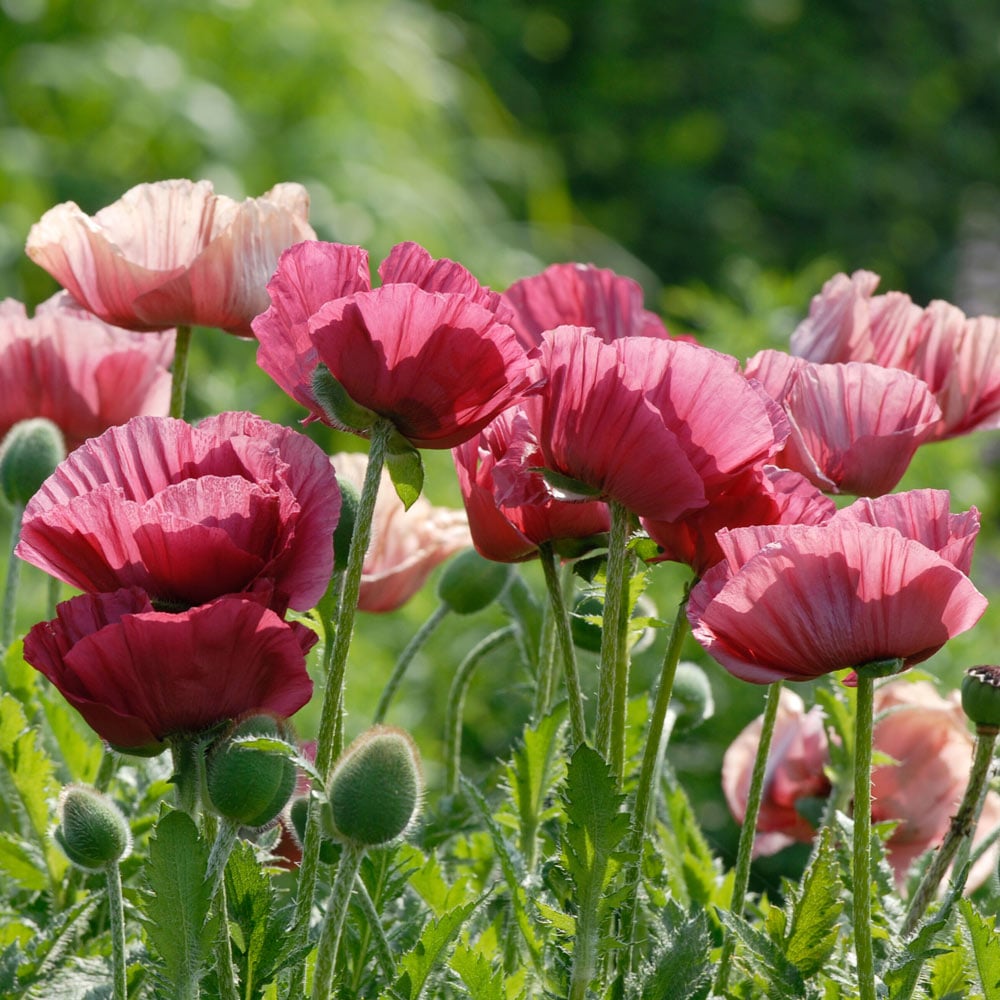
(80, 750)
(814, 930)
(985, 949)
(23, 862)
(30, 768)
(406, 469)
(481, 980)
(176, 904)
(683, 969)
(948, 975)
(563, 922)
(768, 962)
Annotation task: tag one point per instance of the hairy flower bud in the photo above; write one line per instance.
(28, 456)
(92, 832)
(376, 787)
(344, 532)
(981, 695)
(691, 700)
(470, 583)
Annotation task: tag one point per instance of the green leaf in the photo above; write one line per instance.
(814, 929)
(985, 949)
(22, 861)
(406, 470)
(29, 767)
(176, 904)
(682, 969)
(481, 980)
(768, 964)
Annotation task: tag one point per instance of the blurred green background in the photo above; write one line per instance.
(729, 154)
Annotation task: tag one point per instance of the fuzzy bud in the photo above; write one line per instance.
(470, 583)
(344, 532)
(92, 832)
(376, 787)
(250, 785)
(981, 695)
(691, 699)
(28, 456)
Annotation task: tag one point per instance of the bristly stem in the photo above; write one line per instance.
(178, 385)
(7, 620)
(333, 925)
(744, 854)
(116, 910)
(564, 635)
(862, 868)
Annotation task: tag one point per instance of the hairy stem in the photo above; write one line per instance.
(178, 385)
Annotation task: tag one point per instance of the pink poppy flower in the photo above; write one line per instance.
(428, 349)
(172, 253)
(188, 514)
(512, 533)
(406, 545)
(926, 736)
(83, 375)
(798, 601)
(580, 295)
(958, 357)
(139, 676)
(759, 495)
(855, 427)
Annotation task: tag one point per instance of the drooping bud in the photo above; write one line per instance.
(344, 532)
(248, 784)
(470, 583)
(691, 700)
(29, 454)
(92, 831)
(376, 787)
(981, 695)
(585, 630)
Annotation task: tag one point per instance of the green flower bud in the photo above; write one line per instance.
(92, 831)
(376, 787)
(691, 699)
(344, 532)
(247, 785)
(299, 815)
(981, 695)
(470, 583)
(28, 456)
(587, 634)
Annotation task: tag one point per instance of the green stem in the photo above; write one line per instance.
(116, 909)
(222, 847)
(545, 674)
(7, 619)
(54, 592)
(187, 774)
(106, 771)
(406, 658)
(963, 825)
(225, 970)
(862, 867)
(744, 853)
(333, 925)
(178, 385)
(374, 929)
(456, 702)
(613, 688)
(560, 619)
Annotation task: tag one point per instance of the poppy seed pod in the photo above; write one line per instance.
(250, 786)
(376, 787)
(30, 452)
(981, 696)
(93, 833)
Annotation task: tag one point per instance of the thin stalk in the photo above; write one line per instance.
(456, 702)
(54, 593)
(613, 688)
(222, 847)
(545, 681)
(178, 385)
(862, 867)
(187, 775)
(374, 931)
(336, 914)
(560, 620)
(744, 853)
(7, 618)
(225, 970)
(106, 770)
(116, 908)
(406, 658)
(963, 825)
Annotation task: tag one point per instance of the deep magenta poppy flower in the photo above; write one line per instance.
(83, 375)
(957, 356)
(172, 253)
(139, 676)
(188, 514)
(513, 532)
(881, 582)
(428, 349)
(855, 427)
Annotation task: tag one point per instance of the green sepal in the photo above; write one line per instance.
(568, 489)
(405, 468)
(341, 410)
(881, 668)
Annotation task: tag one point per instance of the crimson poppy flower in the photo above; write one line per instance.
(512, 532)
(139, 676)
(580, 295)
(83, 375)
(957, 356)
(188, 514)
(172, 253)
(855, 427)
(406, 544)
(798, 601)
(758, 495)
(428, 349)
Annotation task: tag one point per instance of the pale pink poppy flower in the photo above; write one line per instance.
(798, 601)
(172, 253)
(855, 427)
(927, 737)
(83, 375)
(429, 349)
(957, 356)
(406, 545)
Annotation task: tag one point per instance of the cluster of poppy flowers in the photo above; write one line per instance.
(557, 397)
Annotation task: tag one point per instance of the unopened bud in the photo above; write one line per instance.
(28, 456)
(981, 695)
(344, 532)
(376, 787)
(691, 699)
(92, 831)
(470, 583)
